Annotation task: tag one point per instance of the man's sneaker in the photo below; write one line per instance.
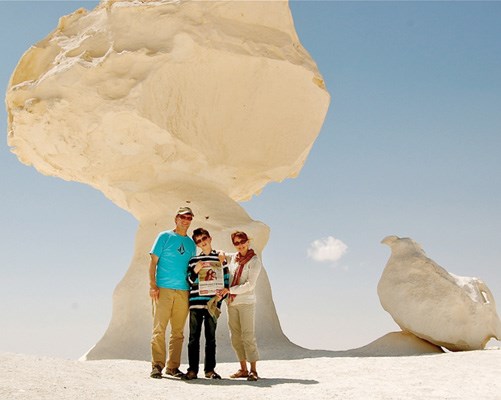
(212, 375)
(175, 372)
(156, 372)
(189, 376)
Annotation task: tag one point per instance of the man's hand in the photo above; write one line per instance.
(154, 290)
(154, 293)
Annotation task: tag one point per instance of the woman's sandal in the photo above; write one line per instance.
(252, 376)
(240, 374)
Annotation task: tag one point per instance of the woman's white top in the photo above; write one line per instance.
(245, 290)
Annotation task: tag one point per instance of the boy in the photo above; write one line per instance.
(207, 274)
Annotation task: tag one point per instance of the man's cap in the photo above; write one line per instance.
(184, 211)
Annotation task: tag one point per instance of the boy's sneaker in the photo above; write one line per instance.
(175, 372)
(212, 375)
(156, 372)
(189, 376)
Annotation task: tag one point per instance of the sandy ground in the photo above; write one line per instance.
(468, 375)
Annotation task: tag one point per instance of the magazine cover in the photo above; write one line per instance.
(210, 278)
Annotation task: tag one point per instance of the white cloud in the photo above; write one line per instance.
(327, 249)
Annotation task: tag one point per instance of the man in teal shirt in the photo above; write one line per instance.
(169, 287)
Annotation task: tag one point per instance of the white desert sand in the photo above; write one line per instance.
(464, 375)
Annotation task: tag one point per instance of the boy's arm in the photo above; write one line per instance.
(193, 270)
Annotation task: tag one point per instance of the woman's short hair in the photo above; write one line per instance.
(240, 235)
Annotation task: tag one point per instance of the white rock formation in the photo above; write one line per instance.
(458, 313)
(163, 103)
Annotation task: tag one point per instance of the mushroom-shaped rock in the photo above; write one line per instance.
(132, 94)
(458, 313)
(159, 103)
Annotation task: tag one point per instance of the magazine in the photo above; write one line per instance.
(210, 278)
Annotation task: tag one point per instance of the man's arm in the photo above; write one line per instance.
(154, 290)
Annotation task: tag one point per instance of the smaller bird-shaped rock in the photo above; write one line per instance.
(458, 313)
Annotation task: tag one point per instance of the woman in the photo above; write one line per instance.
(244, 267)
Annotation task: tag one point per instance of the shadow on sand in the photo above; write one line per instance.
(262, 382)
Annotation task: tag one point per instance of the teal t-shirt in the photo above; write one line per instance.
(174, 252)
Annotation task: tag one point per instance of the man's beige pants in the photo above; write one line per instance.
(172, 306)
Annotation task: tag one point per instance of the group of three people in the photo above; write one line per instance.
(183, 283)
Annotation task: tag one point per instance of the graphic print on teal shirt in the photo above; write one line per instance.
(181, 249)
(174, 252)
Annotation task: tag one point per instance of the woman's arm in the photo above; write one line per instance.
(254, 266)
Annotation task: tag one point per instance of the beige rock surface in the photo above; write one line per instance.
(458, 313)
(132, 94)
(396, 344)
(164, 103)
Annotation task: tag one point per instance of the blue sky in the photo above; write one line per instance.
(410, 147)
